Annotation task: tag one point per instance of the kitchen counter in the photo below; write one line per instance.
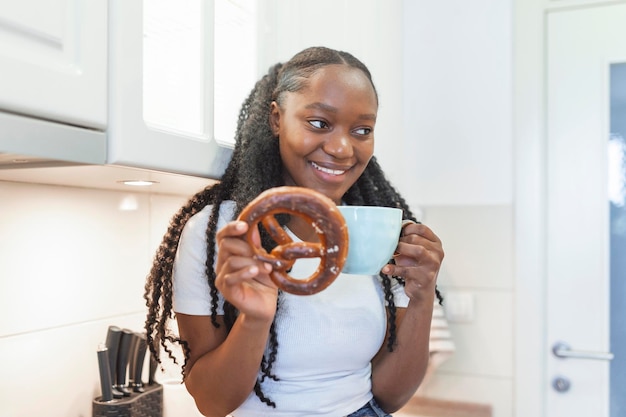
(431, 407)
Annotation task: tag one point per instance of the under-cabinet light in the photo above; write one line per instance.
(138, 183)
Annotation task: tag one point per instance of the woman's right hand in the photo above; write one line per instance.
(242, 279)
(223, 364)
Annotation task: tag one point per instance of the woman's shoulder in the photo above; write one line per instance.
(201, 218)
(197, 224)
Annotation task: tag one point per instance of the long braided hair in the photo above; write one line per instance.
(254, 167)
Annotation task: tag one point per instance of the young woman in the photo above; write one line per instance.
(358, 348)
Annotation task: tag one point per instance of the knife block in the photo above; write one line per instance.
(146, 404)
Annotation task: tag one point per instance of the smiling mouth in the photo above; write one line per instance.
(328, 170)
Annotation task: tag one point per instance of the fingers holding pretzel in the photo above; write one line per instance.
(328, 223)
(241, 278)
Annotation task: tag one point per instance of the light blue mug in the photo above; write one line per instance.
(373, 234)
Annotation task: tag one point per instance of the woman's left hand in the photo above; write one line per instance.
(418, 258)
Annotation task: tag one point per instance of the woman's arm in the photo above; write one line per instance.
(396, 375)
(222, 369)
(223, 366)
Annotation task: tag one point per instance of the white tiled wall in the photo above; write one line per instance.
(478, 263)
(72, 262)
(493, 391)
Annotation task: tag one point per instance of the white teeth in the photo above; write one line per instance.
(327, 170)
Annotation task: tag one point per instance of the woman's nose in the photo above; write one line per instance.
(339, 145)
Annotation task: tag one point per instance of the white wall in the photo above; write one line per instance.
(458, 156)
(457, 101)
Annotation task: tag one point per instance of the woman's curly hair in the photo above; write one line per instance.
(254, 167)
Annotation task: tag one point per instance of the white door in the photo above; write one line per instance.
(585, 50)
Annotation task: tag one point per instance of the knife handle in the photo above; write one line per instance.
(112, 343)
(153, 368)
(132, 354)
(140, 355)
(105, 374)
(122, 361)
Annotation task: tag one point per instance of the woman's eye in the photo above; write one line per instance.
(319, 124)
(363, 131)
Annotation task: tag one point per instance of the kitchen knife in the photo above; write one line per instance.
(105, 374)
(122, 361)
(140, 355)
(112, 343)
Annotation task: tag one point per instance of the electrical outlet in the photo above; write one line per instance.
(459, 307)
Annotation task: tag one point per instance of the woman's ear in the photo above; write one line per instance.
(274, 118)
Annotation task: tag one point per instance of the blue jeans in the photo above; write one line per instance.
(371, 409)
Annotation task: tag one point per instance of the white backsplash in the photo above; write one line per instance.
(479, 262)
(73, 261)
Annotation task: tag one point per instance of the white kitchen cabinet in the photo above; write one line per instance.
(115, 83)
(53, 60)
(161, 86)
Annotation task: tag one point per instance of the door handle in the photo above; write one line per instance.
(563, 350)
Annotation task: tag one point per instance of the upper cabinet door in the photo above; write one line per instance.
(53, 60)
(161, 87)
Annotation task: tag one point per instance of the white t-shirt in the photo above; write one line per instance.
(325, 341)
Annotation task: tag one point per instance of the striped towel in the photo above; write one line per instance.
(441, 345)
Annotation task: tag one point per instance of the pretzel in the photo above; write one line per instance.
(327, 221)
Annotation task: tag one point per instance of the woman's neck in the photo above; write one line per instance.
(303, 229)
